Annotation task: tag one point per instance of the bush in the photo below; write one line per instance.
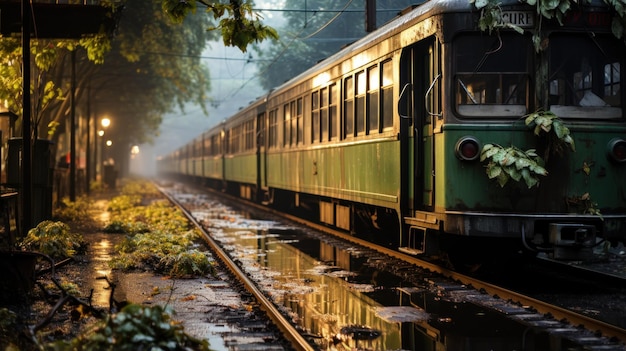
(53, 239)
(135, 327)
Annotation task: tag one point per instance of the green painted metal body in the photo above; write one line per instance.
(463, 186)
(213, 167)
(241, 168)
(366, 172)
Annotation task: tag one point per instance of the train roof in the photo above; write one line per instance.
(405, 20)
(396, 25)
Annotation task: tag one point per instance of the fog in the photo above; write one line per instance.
(233, 86)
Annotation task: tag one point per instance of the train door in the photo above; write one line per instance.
(419, 109)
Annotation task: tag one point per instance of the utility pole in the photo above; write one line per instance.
(370, 15)
(27, 155)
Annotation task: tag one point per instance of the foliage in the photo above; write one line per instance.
(188, 263)
(315, 33)
(53, 239)
(558, 135)
(140, 187)
(67, 286)
(124, 202)
(491, 15)
(96, 186)
(163, 252)
(512, 163)
(134, 327)
(158, 238)
(583, 204)
(8, 327)
(239, 24)
(72, 211)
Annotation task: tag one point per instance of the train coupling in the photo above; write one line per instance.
(572, 241)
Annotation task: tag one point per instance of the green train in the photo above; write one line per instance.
(451, 128)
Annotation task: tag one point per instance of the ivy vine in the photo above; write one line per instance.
(548, 124)
(491, 16)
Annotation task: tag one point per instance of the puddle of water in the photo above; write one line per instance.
(338, 300)
(100, 265)
(343, 302)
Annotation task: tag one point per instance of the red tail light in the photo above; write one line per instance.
(467, 148)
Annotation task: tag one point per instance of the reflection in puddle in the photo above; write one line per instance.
(336, 296)
(316, 295)
(101, 257)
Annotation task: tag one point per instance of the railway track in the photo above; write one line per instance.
(579, 328)
(288, 330)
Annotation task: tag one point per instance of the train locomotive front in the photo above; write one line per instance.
(519, 137)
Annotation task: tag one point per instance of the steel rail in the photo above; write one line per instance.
(288, 330)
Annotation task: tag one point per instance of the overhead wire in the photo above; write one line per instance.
(294, 38)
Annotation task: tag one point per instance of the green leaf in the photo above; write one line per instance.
(513, 173)
(522, 163)
(538, 169)
(503, 178)
(493, 171)
(570, 141)
(529, 179)
(559, 129)
(481, 3)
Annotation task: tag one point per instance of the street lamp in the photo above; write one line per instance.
(105, 123)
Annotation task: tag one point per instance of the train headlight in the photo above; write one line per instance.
(617, 150)
(467, 148)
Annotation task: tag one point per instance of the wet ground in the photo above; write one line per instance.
(211, 308)
(344, 297)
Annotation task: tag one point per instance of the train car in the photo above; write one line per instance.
(433, 134)
(213, 157)
(242, 161)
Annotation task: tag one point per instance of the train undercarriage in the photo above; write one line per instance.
(560, 238)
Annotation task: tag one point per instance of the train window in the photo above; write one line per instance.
(249, 135)
(214, 145)
(226, 142)
(197, 152)
(299, 121)
(286, 125)
(491, 74)
(273, 132)
(324, 114)
(234, 140)
(372, 99)
(294, 124)
(387, 94)
(333, 126)
(361, 86)
(207, 145)
(348, 107)
(585, 76)
(315, 119)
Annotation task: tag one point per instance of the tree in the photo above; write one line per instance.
(148, 69)
(239, 25)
